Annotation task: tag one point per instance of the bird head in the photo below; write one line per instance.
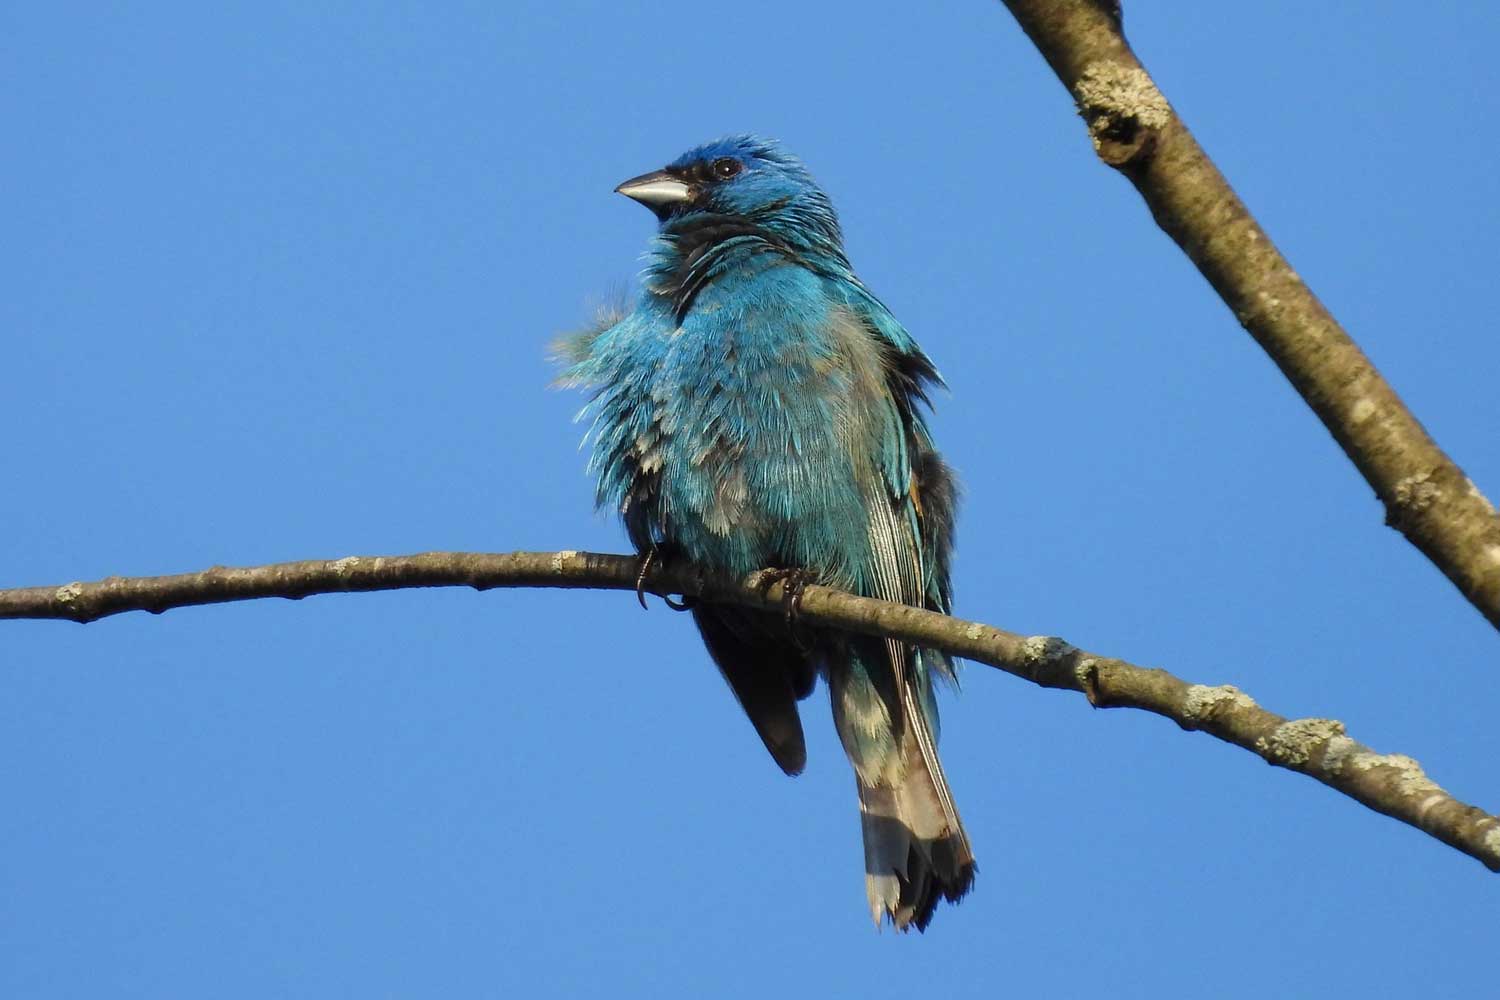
(740, 176)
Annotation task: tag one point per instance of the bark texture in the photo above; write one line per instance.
(1134, 129)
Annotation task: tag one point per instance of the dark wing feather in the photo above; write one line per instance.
(766, 672)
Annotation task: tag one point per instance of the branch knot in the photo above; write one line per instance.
(1123, 110)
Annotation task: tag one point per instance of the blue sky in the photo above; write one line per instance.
(278, 282)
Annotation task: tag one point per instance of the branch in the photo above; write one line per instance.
(1426, 496)
(1388, 783)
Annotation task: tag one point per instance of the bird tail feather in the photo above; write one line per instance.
(916, 849)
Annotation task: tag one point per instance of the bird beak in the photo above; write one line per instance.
(658, 191)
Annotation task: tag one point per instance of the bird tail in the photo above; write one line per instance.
(916, 849)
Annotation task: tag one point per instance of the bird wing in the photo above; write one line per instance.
(918, 485)
(916, 850)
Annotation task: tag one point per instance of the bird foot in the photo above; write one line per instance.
(651, 558)
(793, 584)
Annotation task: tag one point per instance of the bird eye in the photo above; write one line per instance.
(725, 167)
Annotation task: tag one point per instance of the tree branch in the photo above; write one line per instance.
(1426, 496)
(1388, 783)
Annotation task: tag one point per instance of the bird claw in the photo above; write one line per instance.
(640, 578)
(794, 584)
(651, 558)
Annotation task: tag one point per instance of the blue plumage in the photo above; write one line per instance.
(759, 407)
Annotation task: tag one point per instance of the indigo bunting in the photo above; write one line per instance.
(761, 408)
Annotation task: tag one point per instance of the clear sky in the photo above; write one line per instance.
(277, 282)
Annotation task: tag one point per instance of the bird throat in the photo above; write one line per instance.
(699, 243)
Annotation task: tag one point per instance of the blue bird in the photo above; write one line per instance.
(760, 407)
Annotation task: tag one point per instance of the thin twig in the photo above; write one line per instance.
(1426, 495)
(1392, 784)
